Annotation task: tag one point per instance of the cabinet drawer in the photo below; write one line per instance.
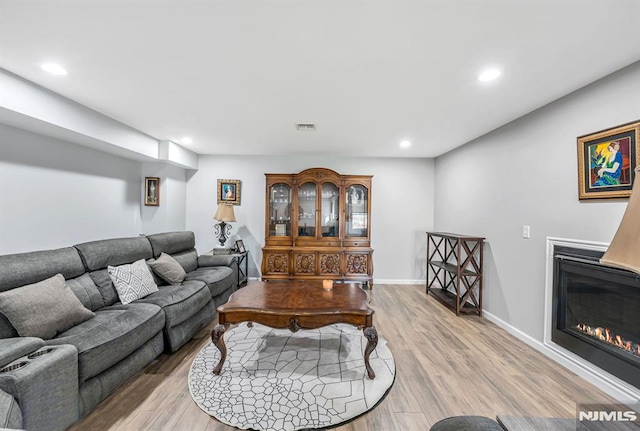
(331, 244)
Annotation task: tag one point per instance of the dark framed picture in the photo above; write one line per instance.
(229, 192)
(240, 246)
(152, 191)
(606, 162)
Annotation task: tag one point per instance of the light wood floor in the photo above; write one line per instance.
(445, 366)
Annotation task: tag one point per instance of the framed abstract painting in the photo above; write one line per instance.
(606, 162)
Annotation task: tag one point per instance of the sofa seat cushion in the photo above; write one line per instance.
(179, 302)
(218, 278)
(112, 335)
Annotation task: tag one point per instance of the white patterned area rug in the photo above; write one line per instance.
(274, 379)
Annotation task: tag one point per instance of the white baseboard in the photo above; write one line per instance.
(375, 281)
(392, 281)
(616, 388)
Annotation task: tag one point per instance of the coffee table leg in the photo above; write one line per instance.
(371, 335)
(218, 341)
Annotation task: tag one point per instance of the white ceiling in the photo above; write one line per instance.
(236, 75)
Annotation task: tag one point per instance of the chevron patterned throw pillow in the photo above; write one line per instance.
(133, 281)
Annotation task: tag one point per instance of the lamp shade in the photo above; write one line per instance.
(225, 213)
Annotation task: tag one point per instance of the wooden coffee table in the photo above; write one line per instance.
(297, 305)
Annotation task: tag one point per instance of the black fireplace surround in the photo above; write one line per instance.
(596, 312)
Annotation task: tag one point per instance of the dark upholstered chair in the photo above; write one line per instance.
(466, 423)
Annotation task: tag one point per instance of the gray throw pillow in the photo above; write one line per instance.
(168, 269)
(132, 281)
(43, 309)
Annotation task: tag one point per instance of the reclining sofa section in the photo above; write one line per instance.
(122, 338)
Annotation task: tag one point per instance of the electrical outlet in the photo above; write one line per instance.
(526, 232)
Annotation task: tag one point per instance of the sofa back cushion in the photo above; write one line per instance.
(188, 259)
(98, 255)
(105, 286)
(180, 245)
(86, 291)
(171, 242)
(26, 268)
(6, 328)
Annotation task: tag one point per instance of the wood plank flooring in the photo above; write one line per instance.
(445, 366)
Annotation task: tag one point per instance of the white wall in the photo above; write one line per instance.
(171, 214)
(402, 210)
(525, 173)
(55, 194)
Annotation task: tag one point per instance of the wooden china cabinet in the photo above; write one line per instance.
(317, 226)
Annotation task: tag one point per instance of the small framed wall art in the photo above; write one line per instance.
(229, 192)
(152, 191)
(606, 162)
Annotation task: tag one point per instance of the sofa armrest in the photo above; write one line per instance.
(216, 260)
(14, 348)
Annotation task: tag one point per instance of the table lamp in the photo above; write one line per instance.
(223, 214)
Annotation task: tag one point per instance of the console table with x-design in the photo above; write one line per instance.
(454, 270)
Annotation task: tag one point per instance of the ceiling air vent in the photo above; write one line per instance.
(306, 127)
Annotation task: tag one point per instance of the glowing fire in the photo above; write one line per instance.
(609, 337)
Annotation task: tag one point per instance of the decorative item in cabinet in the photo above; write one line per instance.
(454, 262)
(279, 210)
(326, 226)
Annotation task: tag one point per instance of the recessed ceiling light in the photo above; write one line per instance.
(54, 69)
(186, 140)
(405, 144)
(489, 75)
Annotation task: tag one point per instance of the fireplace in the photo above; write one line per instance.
(596, 312)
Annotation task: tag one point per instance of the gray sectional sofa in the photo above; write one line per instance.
(48, 384)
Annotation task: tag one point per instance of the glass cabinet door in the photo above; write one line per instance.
(280, 210)
(329, 211)
(357, 217)
(307, 210)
